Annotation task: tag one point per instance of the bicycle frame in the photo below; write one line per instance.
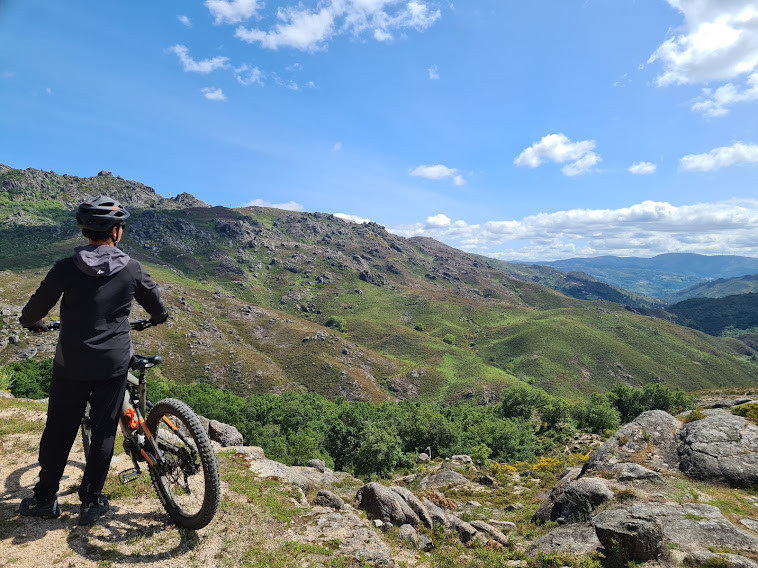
(138, 440)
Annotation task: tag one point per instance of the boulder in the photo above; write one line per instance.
(422, 457)
(636, 539)
(326, 498)
(409, 535)
(355, 537)
(579, 539)
(224, 434)
(574, 501)
(721, 447)
(415, 504)
(442, 478)
(463, 458)
(438, 515)
(634, 472)
(650, 439)
(693, 526)
(317, 464)
(380, 502)
(490, 531)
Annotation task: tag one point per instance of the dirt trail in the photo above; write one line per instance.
(136, 531)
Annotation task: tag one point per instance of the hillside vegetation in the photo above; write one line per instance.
(717, 289)
(265, 300)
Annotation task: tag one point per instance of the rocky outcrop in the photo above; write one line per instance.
(572, 501)
(354, 536)
(721, 447)
(382, 503)
(630, 538)
(650, 439)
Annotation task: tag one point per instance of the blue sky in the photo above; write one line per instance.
(522, 130)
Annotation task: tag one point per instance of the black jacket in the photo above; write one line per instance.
(98, 284)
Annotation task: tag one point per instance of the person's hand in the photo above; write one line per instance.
(160, 319)
(39, 327)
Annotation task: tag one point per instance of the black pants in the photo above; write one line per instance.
(68, 399)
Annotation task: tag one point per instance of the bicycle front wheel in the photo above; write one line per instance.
(187, 484)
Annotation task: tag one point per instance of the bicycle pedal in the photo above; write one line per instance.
(129, 475)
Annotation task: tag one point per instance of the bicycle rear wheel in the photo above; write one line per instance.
(188, 486)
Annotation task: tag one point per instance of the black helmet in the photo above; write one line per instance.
(100, 214)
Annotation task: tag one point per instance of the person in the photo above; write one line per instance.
(98, 284)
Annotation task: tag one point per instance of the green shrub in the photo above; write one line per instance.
(696, 414)
(419, 327)
(449, 339)
(749, 410)
(596, 414)
(336, 323)
(29, 378)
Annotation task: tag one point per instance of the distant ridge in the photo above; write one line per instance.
(661, 275)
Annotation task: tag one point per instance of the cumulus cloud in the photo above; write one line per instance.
(438, 221)
(738, 153)
(438, 172)
(558, 148)
(718, 42)
(289, 206)
(715, 102)
(309, 29)
(247, 75)
(232, 11)
(213, 94)
(642, 168)
(204, 66)
(352, 218)
(185, 21)
(433, 73)
(644, 229)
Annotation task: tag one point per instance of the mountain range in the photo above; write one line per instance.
(664, 276)
(266, 300)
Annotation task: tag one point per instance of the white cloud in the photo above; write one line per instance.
(738, 153)
(714, 102)
(433, 73)
(642, 168)
(309, 30)
(352, 218)
(719, 42)
(289, 206)
(185, 20)
(7, 74)
(438, 221)
(644, 229)
(558, 148)
(337, 147)
(438, 172)
(204, 66)
(247, 75)
(232, 11)
(213, 94)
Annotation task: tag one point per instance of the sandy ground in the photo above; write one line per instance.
(136, 531)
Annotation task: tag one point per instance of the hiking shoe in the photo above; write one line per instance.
(90, 512)
(30, 507)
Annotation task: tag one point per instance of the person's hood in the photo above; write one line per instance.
(100, 260)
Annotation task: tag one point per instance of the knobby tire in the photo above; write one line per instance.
(196, 508)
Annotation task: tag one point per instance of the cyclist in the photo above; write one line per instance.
(98, 284)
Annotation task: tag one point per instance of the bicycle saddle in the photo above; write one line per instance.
(140, 362)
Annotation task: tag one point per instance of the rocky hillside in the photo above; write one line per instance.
(265, 299)
(661, 492)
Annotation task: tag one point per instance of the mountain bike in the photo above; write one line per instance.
(170, 439)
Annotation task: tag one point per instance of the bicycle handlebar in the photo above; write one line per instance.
(137, 325)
